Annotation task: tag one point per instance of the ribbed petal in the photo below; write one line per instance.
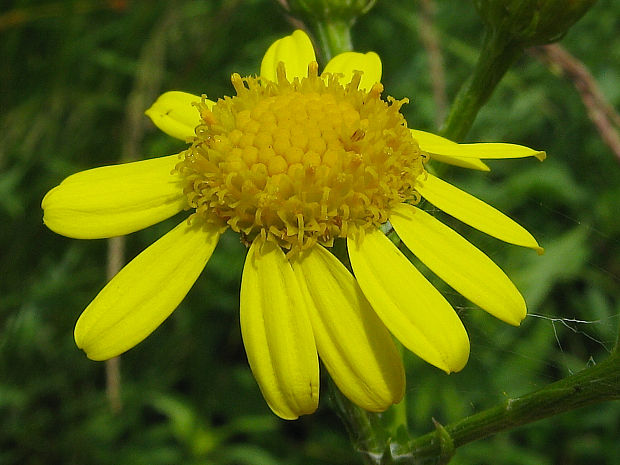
(277, 333)
(295, 51)
(174, 113)
(347, 62)
(354, 345)
(115, 200)
(145, 292)
(459, 263)
(436, 145)
(411, 308)
(474, 212)
(469, 163)
(430, 143)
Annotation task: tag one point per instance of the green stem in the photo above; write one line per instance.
(334, 37)
(365, 429)
(398, 411)
(595, 384)
(496, 56)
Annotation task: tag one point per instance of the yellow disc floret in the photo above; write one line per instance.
(300, 162)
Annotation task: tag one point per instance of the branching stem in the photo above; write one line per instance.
(383, 442)
(598, 383)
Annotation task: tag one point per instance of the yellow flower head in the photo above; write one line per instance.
(300, 162)
(292, 162)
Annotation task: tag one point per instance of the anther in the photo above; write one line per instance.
(376, 90)
(313, 69)
(281, 73)
(358, 135)
(300, 161)
(237, 82)
(355, 80)
(207, 116)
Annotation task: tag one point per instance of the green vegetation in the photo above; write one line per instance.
(76, 77)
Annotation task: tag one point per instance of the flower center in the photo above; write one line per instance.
(301, 162)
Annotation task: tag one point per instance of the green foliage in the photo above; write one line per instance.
(76, 77)
(532, 22)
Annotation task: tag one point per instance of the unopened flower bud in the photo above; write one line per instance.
(330, 10)
(532, 22)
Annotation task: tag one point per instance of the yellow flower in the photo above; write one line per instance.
(293, 162)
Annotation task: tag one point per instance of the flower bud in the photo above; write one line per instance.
(532, 22)
(329, 10)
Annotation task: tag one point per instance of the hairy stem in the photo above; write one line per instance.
(366, 432)
(334, 37)
(594, 384)
(496, 56)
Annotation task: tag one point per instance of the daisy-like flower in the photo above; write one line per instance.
(293, 162)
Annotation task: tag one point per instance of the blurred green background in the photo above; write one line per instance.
(75, 79)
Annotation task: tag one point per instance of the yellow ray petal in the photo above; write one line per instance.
(174, 113)
(145, 292)
(277, 333)
(436, 145)
(458, 263)
(474, 212)
(427, 140)
(115, 200)
(411, 308)
(498, 150)
(295, 51)
(347, 62)
(469, 163)
(355, 347)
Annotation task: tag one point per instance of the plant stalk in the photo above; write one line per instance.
(497, 55)
(334, 37)
(594, 384)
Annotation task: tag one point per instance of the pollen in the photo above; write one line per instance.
(300, 162)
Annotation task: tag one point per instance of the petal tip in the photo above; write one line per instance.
(454, 366)
(297, 408)
(92, 347)
(284, 416)
(150, 112)
(79, 336)
(515, 320)
(87, 348)
(541, 155)
(96, 357)
(45, 200)
(459, 359)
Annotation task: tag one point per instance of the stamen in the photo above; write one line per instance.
(237, 82)
(376, 90)
(313, 70)
(281, 73)
(355, 80)
(301, 162)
